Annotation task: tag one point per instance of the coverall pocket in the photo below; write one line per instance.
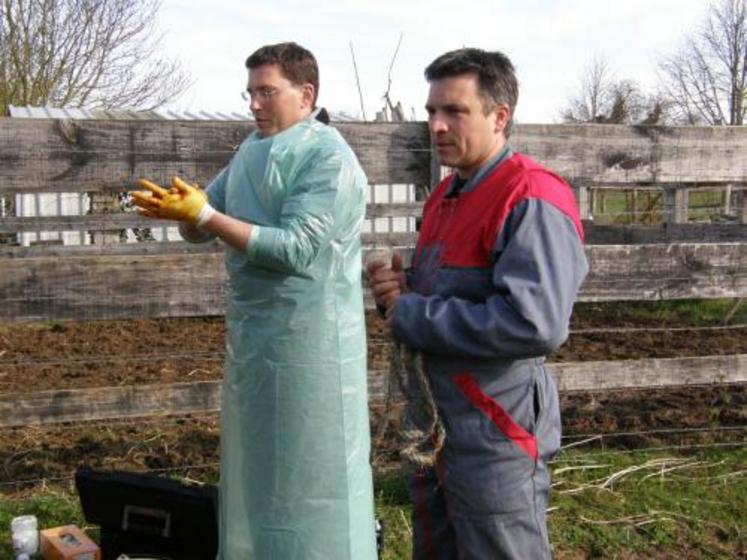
(490, 458)
(489, 482)
(489, 409)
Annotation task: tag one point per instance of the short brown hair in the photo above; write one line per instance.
(296, 63)
(495, 74)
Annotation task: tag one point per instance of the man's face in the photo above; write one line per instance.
(463, 136)
(276, 102)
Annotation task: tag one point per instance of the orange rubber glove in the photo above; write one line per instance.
(183, 202)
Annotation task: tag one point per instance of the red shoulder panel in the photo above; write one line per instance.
(465, 228)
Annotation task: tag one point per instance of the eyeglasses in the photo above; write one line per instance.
(264, 94)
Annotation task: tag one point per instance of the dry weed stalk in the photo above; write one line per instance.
(406, 523)
(690, 465)
(662, 466)
(579, 468)
(582, 442)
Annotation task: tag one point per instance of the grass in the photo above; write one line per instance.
(673, 313)
(609, 505)
(52, 508)
(646, 206)
(393, 509)
(604, 505)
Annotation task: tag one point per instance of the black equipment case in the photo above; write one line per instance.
(149, 516)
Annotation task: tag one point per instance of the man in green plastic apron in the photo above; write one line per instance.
(295, 473)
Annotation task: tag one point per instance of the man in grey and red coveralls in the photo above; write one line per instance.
(497, 266)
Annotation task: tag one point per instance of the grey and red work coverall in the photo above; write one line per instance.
(494, 277)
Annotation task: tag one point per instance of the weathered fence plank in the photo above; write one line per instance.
(598, 154)
(401, 240)
(79, 405)
(653, 372)
(122, 220)
(121, 286)
(115, 249)
(44, 155)
(595, 234)
(665, 271)
(83, 284)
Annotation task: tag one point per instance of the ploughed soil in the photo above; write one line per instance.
(70, 355)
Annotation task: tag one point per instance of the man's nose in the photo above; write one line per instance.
(254, 103)
(436, 124)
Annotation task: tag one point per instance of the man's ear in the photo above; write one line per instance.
(502, 116)
(308, 94)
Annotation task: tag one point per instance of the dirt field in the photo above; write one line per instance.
(94, 354)
(76, 355)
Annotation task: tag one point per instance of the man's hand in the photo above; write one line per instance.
(387, 281)
(183, 202)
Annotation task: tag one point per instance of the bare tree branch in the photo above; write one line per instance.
(601, 98)
(358, 82)
(92, 53)
(705, 81)
(387, 99)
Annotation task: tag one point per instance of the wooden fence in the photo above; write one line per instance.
(671, 260)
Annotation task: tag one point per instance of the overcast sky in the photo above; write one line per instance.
(550, 42)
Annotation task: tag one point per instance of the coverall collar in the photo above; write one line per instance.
(457, 185)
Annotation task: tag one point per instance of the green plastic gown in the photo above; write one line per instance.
(295, 473)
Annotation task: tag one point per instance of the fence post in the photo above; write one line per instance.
(583, 201)
(742, 205)
(676, 202)
(728, 202)
(8, 208)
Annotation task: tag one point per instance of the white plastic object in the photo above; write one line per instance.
(379, 255)
(25, 536)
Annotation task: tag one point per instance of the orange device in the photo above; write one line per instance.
(67, 543)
